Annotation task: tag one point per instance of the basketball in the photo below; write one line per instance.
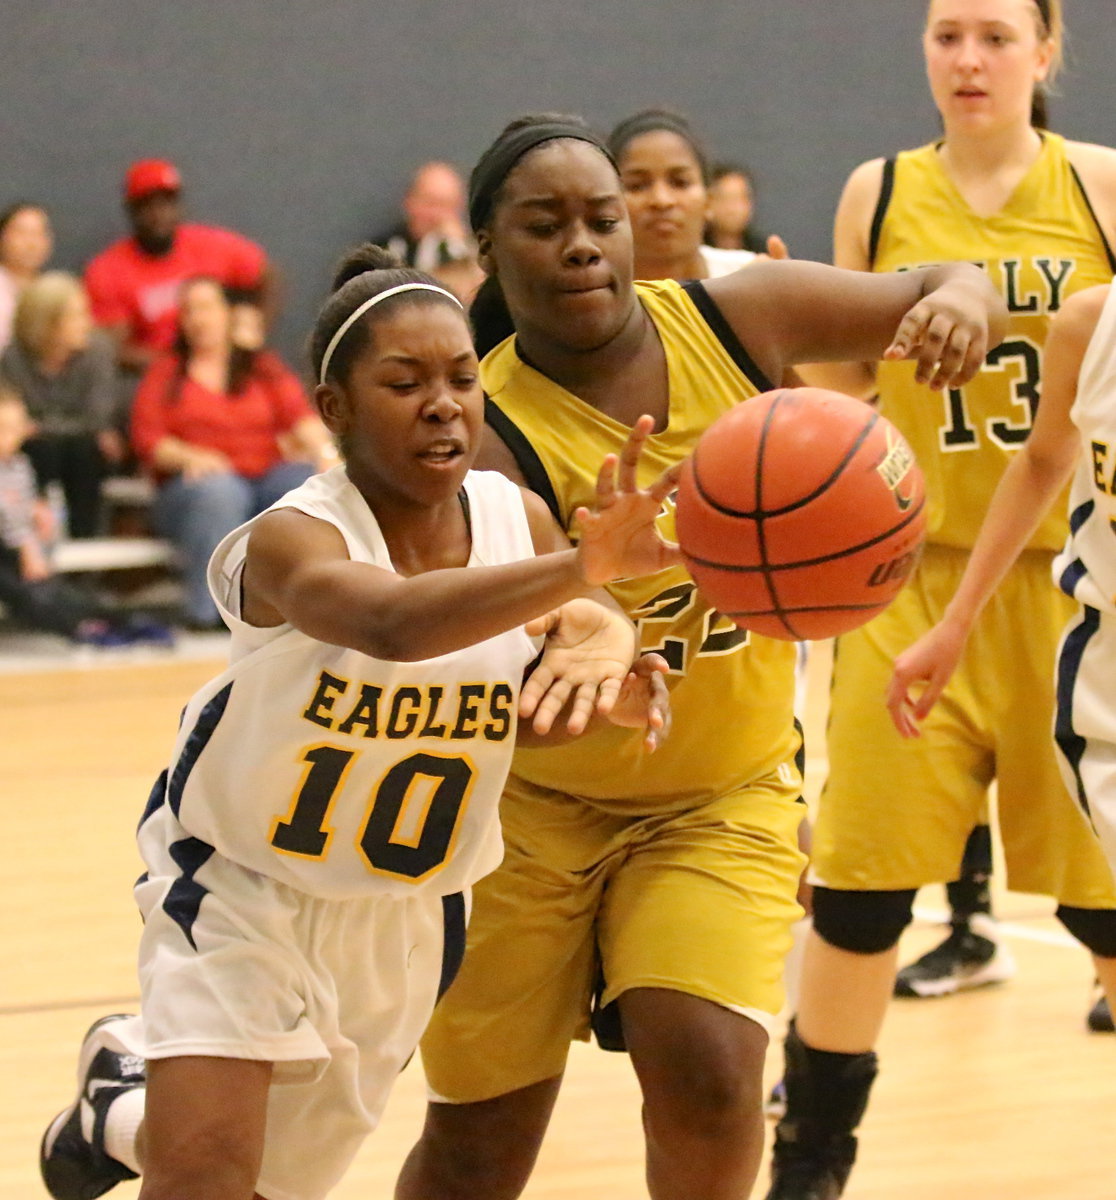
(801, 513)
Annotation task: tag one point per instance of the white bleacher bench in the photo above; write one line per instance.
(111, 554)
(116, 553)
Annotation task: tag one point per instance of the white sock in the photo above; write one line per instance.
(125, 1116)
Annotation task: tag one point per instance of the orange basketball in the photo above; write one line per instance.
(801, 513)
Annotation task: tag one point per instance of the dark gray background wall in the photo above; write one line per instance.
(298, 121)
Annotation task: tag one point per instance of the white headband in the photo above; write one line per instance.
(346, 325)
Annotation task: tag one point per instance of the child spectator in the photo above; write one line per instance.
(29, 588)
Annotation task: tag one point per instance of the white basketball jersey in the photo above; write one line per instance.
(1086, 568)
(341, 774)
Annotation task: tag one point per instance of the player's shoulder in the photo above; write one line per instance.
(866, 176)
(1096, 168)
(856, 210)
(1091, 153)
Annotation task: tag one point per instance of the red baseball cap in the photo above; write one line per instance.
(151, 175)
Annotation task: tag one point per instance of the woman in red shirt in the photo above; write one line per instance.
(225, 430)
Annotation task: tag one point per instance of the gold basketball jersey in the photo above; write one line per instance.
(1043, 246)
(731, 691)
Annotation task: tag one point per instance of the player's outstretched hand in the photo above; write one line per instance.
(644, 700)
(587, 665)
(947, 331)
(930, 662)
(618, 537)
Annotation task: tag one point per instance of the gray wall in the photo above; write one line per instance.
(298, 121)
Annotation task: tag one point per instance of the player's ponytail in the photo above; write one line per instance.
(1051, 30)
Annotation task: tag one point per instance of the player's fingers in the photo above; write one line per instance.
(606, 481)
(533, 690)
(928, 353)
(777, 248)
(581, 707)
(953, 357)
(539, 626)
(666, 483)
(630, 454)
(929, 695)
(975, 354)
(910, 332)
(608, 692)
(550, 705)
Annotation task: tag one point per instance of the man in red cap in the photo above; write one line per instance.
(134, 284)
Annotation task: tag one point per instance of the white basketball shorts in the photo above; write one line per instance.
(335, 993)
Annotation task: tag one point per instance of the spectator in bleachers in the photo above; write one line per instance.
(225, 430)
(26, 243)
(65, 371)
(433, 232)
(30, 590)
(731, 208)
(134, 285)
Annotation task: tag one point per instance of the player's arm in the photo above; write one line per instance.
(298, 570)
(944, 317)
(852, 250)
(1031, 483)
(588, 669)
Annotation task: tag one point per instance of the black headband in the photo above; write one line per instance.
(499, 159)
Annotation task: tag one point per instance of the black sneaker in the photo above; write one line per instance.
(72, 1156)
(1099, 1019)
(810, 1173)
(971, 956)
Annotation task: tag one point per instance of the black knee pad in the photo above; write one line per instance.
(862, 922)
(1095, 928)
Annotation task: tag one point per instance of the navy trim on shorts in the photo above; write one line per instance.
(525, 455)
(1072, 576)
(453, 939)
(184, 897)
(887, 185)
(1070, 742)
(1081, 514)
(725, 334)
(204, 726)
(157, 797)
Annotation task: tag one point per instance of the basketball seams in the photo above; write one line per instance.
(845, 552)
(801, 610)
(761, 516)
(759, 513)
(828, 589)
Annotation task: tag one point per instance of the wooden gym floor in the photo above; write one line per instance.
(998, 1094)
